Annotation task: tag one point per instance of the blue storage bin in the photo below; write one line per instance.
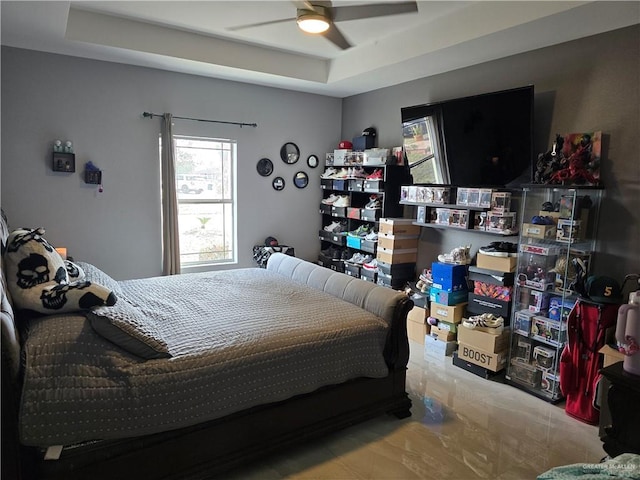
(449, 277)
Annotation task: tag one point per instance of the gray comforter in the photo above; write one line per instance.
(238, 339)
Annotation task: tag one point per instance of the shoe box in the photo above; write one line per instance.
(478, 304)
(398, 226)
(447, 298)
(356, 185)
(391, 281)
(542, 232)
(336, 265)
(399, 242)
(354, 213)
(442, 334)
(368, 246)
(352, 269)
(373, 186)
(401, 270)
(404, 255)
(449, 277)
(496, 277)
(437, 348)
(370, 215)
(485, 340)
(500, 264)
(483, 358)
(448, 313)
(472, 367)
(335, 238)
(368, 275)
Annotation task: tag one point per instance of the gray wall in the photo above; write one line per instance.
(98, 106)
(581, 86)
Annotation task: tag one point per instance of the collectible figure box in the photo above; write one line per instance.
(550, 383)
(544, 357)
(522, 322)
(553, 332)
(462, 196)
(570, 206)
(449, 277)
(441, 194)
(525, 373)
(538, 301)
(569, 231)
(485, 197)
(559, 309)
(536, 268)
(479, 220)
(489, 360)
(421, 215)
(500, 202)
(443, 297)
(501, 222)
(452, 217)
(473, 198)
(522, 350)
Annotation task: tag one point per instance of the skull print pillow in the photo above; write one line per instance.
(40, 280)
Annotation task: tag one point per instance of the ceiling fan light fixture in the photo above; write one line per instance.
(313, 22)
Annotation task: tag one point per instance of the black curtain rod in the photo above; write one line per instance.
(151, 115)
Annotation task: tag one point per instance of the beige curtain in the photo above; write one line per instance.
(170, 233)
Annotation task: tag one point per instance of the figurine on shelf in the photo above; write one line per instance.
(57, 146)
(68, 147)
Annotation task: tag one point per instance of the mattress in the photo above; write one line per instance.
(237, 339)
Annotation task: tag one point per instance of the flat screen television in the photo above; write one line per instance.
(479, 141)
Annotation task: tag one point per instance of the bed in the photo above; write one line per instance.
(246, 362)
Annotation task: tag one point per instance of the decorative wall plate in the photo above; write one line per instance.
(301, 179)
(278, 183)
(312, 161)
(265, 167)
(289, 153)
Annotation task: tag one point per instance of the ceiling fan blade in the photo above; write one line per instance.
(260, 24)
(335, 36)
(357, 12)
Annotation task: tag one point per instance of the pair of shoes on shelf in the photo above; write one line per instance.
(342, 201)
(377, 174)
(372, 236)
(487, 322)
(330, 200)
(362, 231)
(336, 227)
(329, 172)
(374, 203)
(371, 265)
(359, 258)
(542, 220)
(457, 256)
(334, 253)
(500, 249)
(356, 172)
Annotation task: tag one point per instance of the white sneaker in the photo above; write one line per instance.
(340, 174)
(328, 173)
(330, 199)
(358, 172)
(357, 258)
(372, 236)
(331, 227)
(371, 265)
(457, 256)
(373, 204)
(342, 201)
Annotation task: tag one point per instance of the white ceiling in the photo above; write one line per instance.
(194, 37)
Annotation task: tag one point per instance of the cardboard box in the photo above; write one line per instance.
(448, 313)
(544, 232)
(452, 327)
(484, 340)
(489, 360)
(449, 277)
(417, 331)
(500, 264)
(447, 298)
(491, 276)
(398, 226)
(610, 356)
(437, 348)
(397, 256)
(418, 315)
(442, 334)
(399, 242)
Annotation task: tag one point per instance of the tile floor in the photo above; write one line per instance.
(462, 427)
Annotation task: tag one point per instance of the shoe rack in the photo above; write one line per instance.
(354, 194)
(557, 242)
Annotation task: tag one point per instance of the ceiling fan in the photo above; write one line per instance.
(320, 17)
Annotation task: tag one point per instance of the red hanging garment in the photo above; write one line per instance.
(580, 362)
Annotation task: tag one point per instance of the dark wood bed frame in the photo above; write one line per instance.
(209, 449)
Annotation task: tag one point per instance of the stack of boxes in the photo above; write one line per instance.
(500, 219)
(448, 299)
(485, 351)
(397, 251)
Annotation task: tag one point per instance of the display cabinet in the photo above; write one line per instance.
(350, 210)
(557, 242)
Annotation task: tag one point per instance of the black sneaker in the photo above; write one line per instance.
(500, 249)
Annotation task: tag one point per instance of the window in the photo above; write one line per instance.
(205, 184)
(422, 145)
